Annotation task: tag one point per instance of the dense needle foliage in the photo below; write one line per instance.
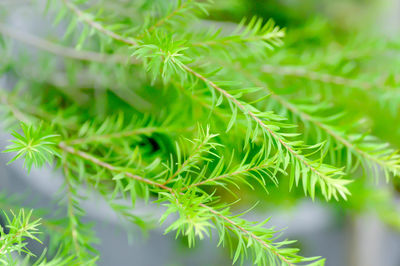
(155, 101)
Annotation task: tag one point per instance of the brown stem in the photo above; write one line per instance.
(252, 235)
(110, 167)
(96, 161)
(311, 119)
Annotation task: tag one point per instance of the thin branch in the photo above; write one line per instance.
(47, 223)
(255, 118)
(335, 135)
(15, 236)
(87, 19)
(61, 50)
(305, 116)
(112, 168)
(247, 233)
(213, 85)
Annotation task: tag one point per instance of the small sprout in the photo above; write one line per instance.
(34, 145)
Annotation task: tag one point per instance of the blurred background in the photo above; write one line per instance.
(356, 239)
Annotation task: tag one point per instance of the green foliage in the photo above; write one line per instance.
(163, 56)
(254, 241)
(34, 146)
(19, 229)
(150, 101)
(251, 39)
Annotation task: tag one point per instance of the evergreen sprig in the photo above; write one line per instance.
(19, 227)
(13, 241)
(35, 146)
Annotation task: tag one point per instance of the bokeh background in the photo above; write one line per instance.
(324, 229)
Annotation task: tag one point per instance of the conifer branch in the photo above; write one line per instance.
(110, 167)
(21, 227)
(5, 204)
(126, 143)
(391, 161)
(87, 18)
(269, 35)
(245, 232)
(333, 185)
(339, 186)
(63, 51)
(228, 175)
(80, 234)
(248, 234)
